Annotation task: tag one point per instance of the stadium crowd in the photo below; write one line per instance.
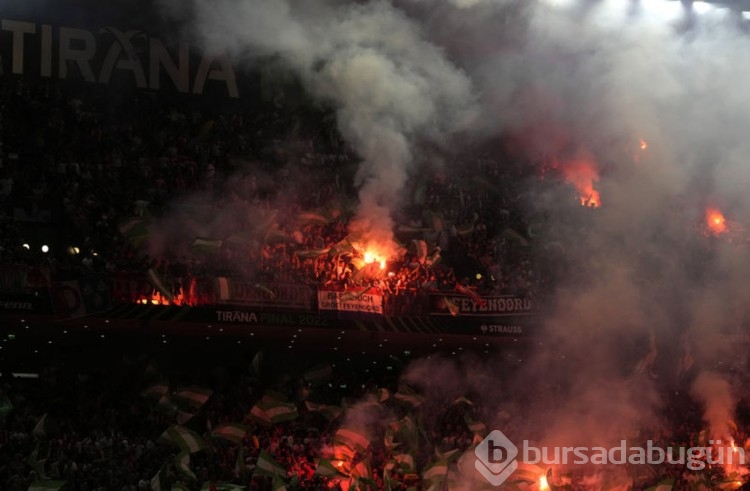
(127, 183)
(252, 425)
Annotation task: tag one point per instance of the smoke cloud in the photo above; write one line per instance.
(652, 93)
(391, 88)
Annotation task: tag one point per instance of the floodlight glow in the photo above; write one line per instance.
(45, 249)
(701, 7)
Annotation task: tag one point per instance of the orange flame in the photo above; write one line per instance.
(715, 221)
(644, 144)
(582, 173)
(543, 484)
(373, 257)
(157, 299)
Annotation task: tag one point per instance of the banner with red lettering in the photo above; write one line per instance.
(363, 300)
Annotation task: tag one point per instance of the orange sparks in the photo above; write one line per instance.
(582, 173)
(715, 221)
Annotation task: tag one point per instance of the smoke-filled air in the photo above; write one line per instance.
(640, 106)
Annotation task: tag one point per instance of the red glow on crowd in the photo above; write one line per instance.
(583, 172)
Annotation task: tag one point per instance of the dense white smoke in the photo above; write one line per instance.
(391, 87)
(655, 92)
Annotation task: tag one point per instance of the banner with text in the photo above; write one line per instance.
(461, 305)
(286, 296)
(366, 301)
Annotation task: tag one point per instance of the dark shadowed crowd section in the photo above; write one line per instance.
(131, 183)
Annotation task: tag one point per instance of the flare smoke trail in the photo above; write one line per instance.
(391, 88)
(569, 78)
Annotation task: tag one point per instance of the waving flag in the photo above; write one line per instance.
(273, 411)
(182, 464)
(40, 429)
(434, 476)
(196, 397)
(331, 413)
(232, 431)
(187, 440)
(267, 466)
(407, 395)
(353, 439)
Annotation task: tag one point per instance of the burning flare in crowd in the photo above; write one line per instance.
(582, 172)
(543, 484)
(373, 257)
(715, 221)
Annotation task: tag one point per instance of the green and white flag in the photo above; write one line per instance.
(309, 217)
(273, 411)
(278, 484)
(46, 485)
(36, 464)
(196, 397)
(233, 432)
(182, 464)
(207, 246)
(433, 477)
(353, 439)
(331, 413)
(267, 466)
(312, 253)
(187, 440)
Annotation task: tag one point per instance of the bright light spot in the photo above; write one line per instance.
(701, 7)
(543, 485)
(45, 249)
(664, 10)
(644, 144)
(27, 247)
(715, 221)
(746, 15)
(479, 276)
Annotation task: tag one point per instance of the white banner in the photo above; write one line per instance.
(350, 302)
